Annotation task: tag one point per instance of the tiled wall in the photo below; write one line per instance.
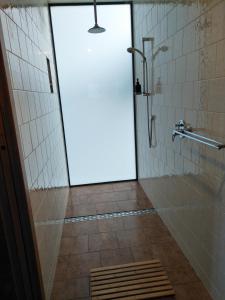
(28, 42)
(184, 179)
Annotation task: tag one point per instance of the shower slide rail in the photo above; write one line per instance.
(184, 131)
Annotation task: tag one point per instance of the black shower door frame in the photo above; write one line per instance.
(133, 76)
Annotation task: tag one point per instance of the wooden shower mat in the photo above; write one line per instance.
(140, 280)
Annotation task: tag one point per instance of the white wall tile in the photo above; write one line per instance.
(27, 40)
(181, 69)
(26, 139)
(172, 22)
(13, 36)
(5, 30)
(193, 88)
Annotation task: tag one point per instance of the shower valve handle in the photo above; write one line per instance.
(182, 125)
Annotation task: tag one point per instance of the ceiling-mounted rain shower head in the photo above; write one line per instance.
(96, 28)
(133, 50)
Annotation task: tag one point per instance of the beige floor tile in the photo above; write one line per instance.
(116, 257)
(103, 241)
(74, 245)
(93, 244)
(80, 228)
(109, 225)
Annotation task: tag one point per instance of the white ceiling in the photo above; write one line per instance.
(114, 1)
(84, 1)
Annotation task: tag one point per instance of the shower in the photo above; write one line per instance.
(145, 68)
(162, 48)
(96, 28)
(146, 91)
(133, 50)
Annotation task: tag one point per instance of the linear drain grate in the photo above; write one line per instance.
(105, 216)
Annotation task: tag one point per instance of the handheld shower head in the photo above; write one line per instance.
(162, 48)
(130, 50)
(133, 50)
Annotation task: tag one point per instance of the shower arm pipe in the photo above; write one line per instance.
(95, 12)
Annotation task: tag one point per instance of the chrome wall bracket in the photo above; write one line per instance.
(180, 127)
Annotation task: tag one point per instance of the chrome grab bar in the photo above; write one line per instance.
(184, 131)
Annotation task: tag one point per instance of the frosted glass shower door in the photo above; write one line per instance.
(95, 78)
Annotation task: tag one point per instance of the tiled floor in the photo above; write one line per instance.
(92, 244)
(106, 198)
